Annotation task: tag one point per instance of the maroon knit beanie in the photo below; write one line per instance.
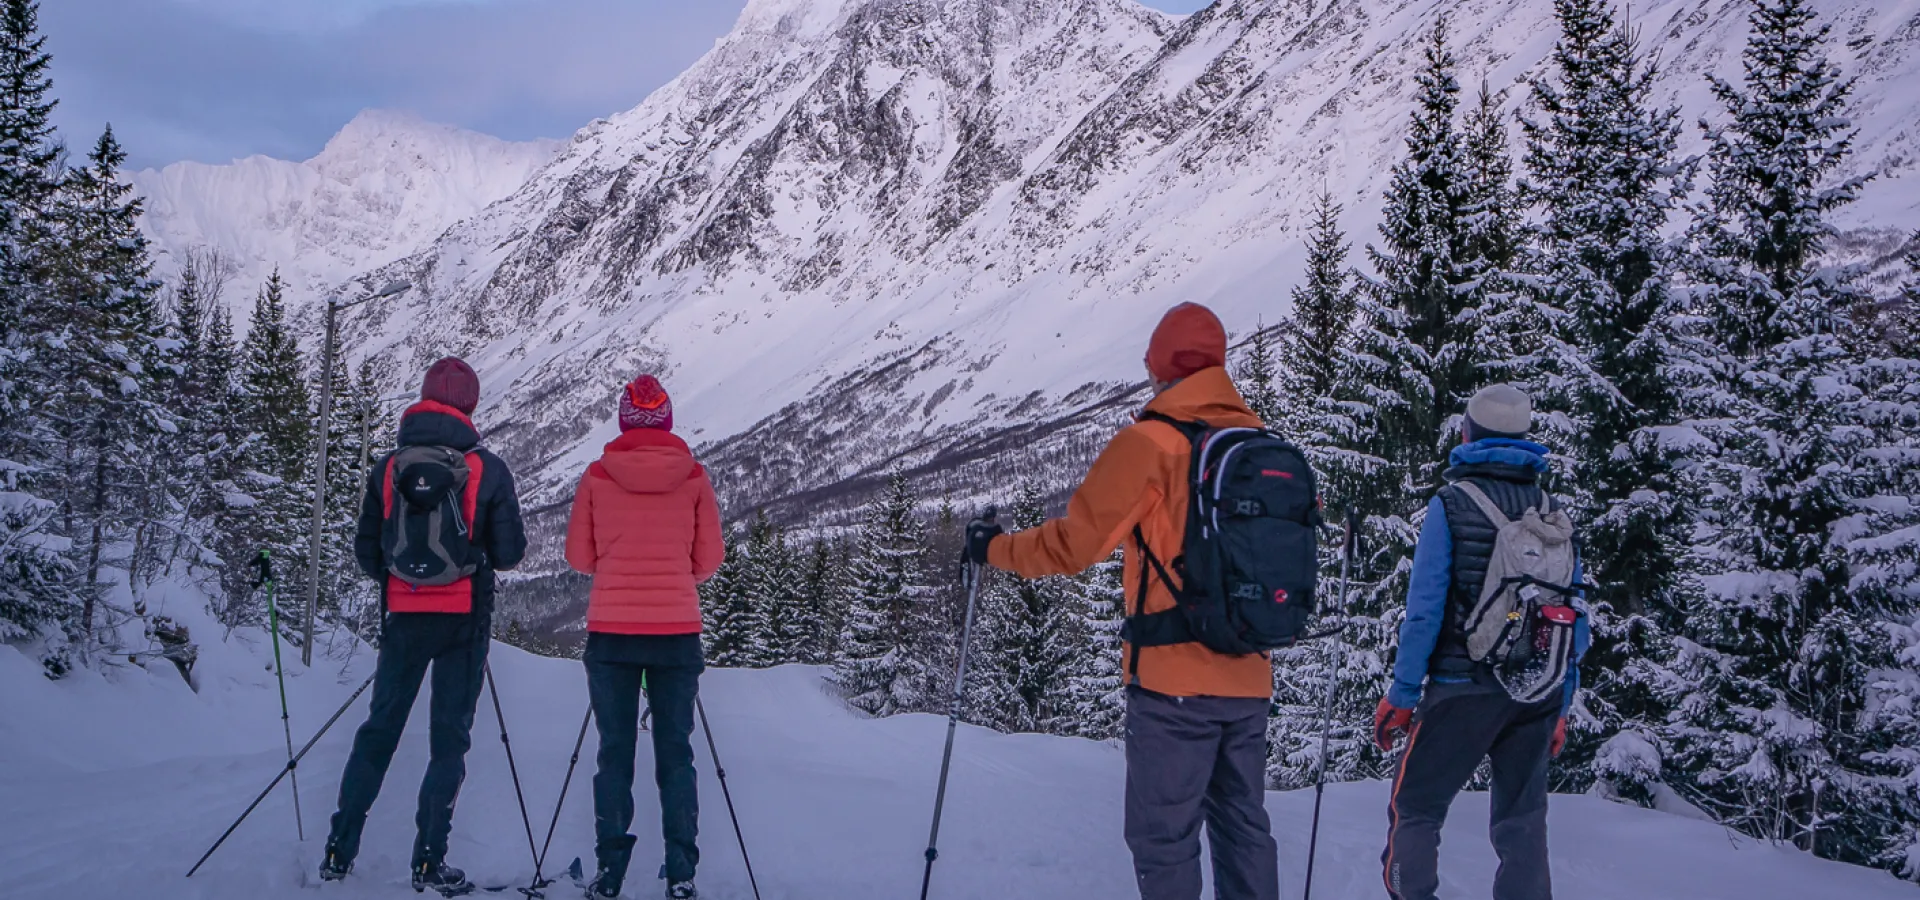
(451, 381)
(645, 404)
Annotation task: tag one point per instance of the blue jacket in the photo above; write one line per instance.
(1433, 576)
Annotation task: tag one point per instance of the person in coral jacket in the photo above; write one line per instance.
(646, 526)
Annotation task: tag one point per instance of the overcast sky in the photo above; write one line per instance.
(215, 80)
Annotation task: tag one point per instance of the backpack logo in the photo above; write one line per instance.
(1279, 595)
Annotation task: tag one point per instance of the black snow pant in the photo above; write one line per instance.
(1454, 728)
(455, 647)
(1192, 760)
(669, 667)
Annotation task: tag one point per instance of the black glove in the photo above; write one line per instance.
(262, 568)
(980, 534)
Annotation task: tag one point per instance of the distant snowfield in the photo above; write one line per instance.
(113, 785)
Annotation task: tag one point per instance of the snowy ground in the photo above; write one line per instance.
(112, 785)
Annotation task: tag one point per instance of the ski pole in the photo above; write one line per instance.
(539, 878)
(494, 688)
(295, 761)
(1326, 710)
(971, 574)
(265, 576)
(721, 771)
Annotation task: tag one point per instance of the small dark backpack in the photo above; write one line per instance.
(1250, 564)
(428, 534)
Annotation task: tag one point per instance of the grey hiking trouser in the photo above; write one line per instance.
(1454, 728)
(1195, 759)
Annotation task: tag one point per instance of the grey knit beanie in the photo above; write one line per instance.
(1499, 410)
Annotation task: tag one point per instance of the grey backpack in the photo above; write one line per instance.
(429, 505)
(1522, 623)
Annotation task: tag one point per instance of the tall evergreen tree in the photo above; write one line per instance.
(824, 597)
(275, 421)
(1027, 639)
(36, 563)
(735, 624)
(1809, 524)
(98, 277)
(1258, 379)
(1094, 701)
(1313, 341)
(879, 669)
(1599, 178)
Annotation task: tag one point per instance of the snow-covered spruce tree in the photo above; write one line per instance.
(1093, 702)
(1809, 526)
(1259, 380)
(109, 411)
(823, 596)
(735, 625)
(774, 585)
(1315, 333)
(275, 424)
(878, 669)
(1028, 637)
(1599, 178)
(36, 563)
(341, 584)
(222, 498)
(1357, 659)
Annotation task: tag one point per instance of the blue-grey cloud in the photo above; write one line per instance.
(194, 79)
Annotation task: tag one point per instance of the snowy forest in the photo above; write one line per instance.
(1735, 416)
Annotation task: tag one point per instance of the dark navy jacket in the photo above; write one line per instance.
(1432, 581)
(502, 537)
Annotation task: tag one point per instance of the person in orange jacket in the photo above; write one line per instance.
(646, 526)
(1196, 719)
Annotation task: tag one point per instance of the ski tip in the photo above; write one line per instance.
(574, 871)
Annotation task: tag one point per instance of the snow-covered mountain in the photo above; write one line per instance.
(861, 234)
(385, 186)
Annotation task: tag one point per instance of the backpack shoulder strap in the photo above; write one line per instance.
(1488, 508)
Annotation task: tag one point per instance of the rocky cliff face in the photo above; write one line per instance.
(863, 234)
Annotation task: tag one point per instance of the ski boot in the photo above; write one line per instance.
(604, 886)
(334, 866)
(445, 880)
(682, 890)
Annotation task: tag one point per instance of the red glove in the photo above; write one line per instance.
(1389, 722)
(1559, 737)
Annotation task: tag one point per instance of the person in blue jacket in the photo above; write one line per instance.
(1451, 708)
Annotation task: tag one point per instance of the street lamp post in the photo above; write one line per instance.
(327, 351)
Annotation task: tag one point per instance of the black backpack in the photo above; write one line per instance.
(428, 533)
(1248, 570)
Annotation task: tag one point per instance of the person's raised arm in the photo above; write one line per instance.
(1119, 489)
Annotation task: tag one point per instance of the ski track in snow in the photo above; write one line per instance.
(114, 784)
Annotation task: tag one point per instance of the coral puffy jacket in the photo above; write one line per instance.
(646, 526)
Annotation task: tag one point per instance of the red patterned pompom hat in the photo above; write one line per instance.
(645, 404)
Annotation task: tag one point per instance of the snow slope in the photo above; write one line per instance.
(382, 188)
(862, 234)
(114, 784)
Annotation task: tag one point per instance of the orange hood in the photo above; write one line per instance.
(648, 461)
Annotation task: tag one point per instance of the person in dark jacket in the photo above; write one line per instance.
(1452, 709)
(443, 627)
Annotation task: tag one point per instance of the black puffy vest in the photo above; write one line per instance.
(1514, 489)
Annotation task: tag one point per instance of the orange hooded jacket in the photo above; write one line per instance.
(646, 526)
(1141, 479)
